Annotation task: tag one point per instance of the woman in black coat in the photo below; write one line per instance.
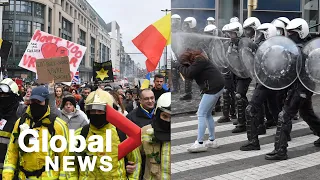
(195, 66)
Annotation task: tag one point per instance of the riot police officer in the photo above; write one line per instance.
(228, 108)
(235, 31)
(299, 99)
(260, 95)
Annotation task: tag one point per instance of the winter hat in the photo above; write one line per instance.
(69, 98)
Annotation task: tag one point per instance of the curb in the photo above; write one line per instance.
(184, 113)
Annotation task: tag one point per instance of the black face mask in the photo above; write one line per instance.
(98, 120)
(38, 111)
(295, 37)
(161, 128)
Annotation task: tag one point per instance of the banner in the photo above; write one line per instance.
(103, 72)
(43, 46)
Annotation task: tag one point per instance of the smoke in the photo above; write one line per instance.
(213, 47)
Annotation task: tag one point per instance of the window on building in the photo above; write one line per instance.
(39, 10)
(62, 4)
(311, 13)
(71, 11)
(82, 41)
(60, 17)
(22, 8)
(67, 8)
(92, 50)
(66, 31)
(49, 20)
(37, 25)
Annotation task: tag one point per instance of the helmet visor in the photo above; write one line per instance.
(4, 88)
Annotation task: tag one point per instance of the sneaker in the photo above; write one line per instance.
(196, 147)
(211, 144)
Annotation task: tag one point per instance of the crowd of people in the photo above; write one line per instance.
(59, 108)
(221, 66)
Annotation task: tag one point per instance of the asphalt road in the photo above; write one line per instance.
(227, 162)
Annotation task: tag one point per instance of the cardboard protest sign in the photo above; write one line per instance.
(57, 69)
(44, 46)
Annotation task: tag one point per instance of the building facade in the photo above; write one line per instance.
(267, 10)
(74, 20)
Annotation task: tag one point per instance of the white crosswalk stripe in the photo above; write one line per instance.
(229, 163)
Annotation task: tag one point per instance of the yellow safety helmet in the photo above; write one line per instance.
(97, 100)
(8, 85)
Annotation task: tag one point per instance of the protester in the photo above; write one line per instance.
(128, 101)
(196, 66)
(9, 102)
(119, 103)
(58, 98)
(32, 165)
(95, 106)
(156, 141)
(158, 86)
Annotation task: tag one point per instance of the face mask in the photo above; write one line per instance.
(249, 32)
(38, 111)
(161, 127)
(98, 120)
(294, 36)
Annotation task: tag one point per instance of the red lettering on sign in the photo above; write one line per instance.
(29, 61)
(75, 49)
(74, 61)
(69, 44)
(37, 35)
(50, 50)
(78, 54)
(57, 39)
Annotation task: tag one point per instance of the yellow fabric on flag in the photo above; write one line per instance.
(145, 84)
(1, 40)
(163, 25)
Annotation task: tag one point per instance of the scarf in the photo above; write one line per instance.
(146, 112)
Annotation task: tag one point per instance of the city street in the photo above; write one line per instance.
(228, 162)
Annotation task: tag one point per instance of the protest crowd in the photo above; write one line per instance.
(59, 108)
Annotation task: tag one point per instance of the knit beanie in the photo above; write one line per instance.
(70, 99)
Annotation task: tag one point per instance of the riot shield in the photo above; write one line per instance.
(246, 53)
(275, 62)
(235, 64)
(218, 51)
(309, 67)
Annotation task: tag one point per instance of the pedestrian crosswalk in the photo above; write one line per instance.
(229, 163)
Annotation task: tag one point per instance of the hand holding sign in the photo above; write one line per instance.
(53, 69)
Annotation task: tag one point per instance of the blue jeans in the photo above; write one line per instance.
(205, 118)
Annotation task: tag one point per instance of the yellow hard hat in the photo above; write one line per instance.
(97, 100)
(8, 85)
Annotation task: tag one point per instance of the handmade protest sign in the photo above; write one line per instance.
(56, 69)
(43, 45)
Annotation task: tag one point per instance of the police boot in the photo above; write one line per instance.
(276, 155)
(239, 129)
(281, 139)
(317, 143)
(224, 119)
(188, 90)
(241, 105)
(251, 145)
(296, 117)
(235, 122)
(186, 97)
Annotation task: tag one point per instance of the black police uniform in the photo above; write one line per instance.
(298, 99)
